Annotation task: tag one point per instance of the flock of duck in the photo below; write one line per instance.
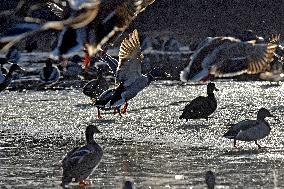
(87, 25)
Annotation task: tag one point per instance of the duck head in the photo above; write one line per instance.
(90, 131)
(211, 88)
(263, 113)
(16, 67)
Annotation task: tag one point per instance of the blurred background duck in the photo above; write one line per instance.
(71, 69)
(3, 61)
(88, 24)
(229, 56)
(80, 162)
(5, 80)
(250, 130)
(127, 185)
(49, 74)
(210, 179)
(201, 107)
(99, 84)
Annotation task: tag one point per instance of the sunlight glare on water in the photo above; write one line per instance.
(148, 144)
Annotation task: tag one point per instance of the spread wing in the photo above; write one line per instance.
(245, 57)
(110, 24)
(129, 67)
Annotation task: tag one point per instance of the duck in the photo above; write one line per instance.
(227, 57)
(2, 62)
(5, 80)
(129, 79)
(49, 74)
(26, 19)
(80, 162)
(71, 70)
(96, 86)
(201, 107)
(210, 179)
(90, 25)
(251, 130)
(128, 185)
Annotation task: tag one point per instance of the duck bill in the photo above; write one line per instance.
(216, 89)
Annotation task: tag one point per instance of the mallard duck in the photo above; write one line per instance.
(201, 107)
(129, 79)
(127, 185)
(90, 24)
(210, 179)
(49, 73)
(228, 56)
(96, 87)
(71, 70)
(80, 162)
(250, 130)
(2, 62)
(5, 80)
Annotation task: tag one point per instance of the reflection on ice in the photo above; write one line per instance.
(148, 144)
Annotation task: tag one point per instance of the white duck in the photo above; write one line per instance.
(250, 130)
(228, 56)
(80, 162)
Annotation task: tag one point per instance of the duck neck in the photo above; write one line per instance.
(210, 94)
(9, 74)
(90, 137)
(260, 118)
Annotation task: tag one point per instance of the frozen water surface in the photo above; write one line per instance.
(148, 144)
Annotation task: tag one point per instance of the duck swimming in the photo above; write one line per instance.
(250, 130)
(228, 56)
(5, 80)
(49, 73)
(201, 107)
(80, 162)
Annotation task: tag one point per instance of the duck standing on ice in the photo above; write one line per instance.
(201, 107)
(250, 130)
(129, 79)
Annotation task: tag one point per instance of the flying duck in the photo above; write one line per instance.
(210, 179)
(49, 74)
(80, 162)
(91, 24)
(129, 79)
(250, 130)
(201, 107)
(5, 80)
(228, 56)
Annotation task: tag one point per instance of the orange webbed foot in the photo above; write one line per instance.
(115, 111)
(124, 108)
(84, 183)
